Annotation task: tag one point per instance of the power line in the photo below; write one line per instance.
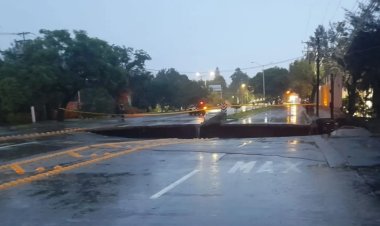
(232, 70)
(309, 17)
(336, 9)
(324, 15)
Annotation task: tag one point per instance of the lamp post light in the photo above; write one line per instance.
(200, 76)
(212, 75)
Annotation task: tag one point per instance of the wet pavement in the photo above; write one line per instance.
(290, 114)
(255, 181)
(38, 146)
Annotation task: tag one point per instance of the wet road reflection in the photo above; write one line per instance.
(290, 114)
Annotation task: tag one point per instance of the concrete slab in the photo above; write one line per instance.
(351, 131)
(333, 157)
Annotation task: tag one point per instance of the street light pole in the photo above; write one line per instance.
(263, 84)
(242, 86)
(262, 70)
(332, 95)
(318, 78)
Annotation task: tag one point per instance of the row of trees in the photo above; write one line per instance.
(277, 81)
(48, 71)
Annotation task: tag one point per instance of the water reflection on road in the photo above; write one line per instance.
(289, 114)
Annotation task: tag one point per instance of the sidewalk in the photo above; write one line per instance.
(360, 150)
(355, 141)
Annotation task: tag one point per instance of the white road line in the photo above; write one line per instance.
(14, 145)
(245, 143)
(173, 185)
(124, 125)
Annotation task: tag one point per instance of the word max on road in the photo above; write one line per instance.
(266, 167)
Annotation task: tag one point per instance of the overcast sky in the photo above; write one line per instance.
(190, 36)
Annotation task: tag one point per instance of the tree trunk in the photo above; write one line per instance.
(60, 115)
(376, 99)
(351, 89)
(313, 93)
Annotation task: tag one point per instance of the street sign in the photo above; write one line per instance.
(215, 88)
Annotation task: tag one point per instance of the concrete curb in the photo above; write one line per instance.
(309, 119)
(37, 135)
(332, 156)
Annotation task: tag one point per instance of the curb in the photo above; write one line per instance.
(37, 135)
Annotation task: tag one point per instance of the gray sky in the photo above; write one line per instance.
(190, 36)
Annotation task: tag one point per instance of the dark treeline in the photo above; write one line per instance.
(48, 71)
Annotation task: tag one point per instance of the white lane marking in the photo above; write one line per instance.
(173, 185)
(245, 143)
(14, 145)
(245, 167)
(292, 166)
(266, 167)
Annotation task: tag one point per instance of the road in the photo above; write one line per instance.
(258, 181)
(40, 127)
(12, 149)
(292, 114)
(164, 120)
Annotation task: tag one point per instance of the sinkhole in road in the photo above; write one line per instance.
(209, 131)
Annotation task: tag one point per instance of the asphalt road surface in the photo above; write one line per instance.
(292, 114)
(164, 120)
(116, 181)
(39, 127)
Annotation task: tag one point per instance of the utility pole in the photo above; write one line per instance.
(264, 84)
(23, 34)
(318, 64)
(332, 84)
(253, 62)
(19, 34)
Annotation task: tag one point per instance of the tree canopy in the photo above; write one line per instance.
(301, 78)
(276, 83)
(351, 48)
(47, 72)
(170, 88)
(237, 79)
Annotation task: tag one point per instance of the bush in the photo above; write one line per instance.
(19, 118)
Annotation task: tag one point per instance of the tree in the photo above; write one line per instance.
(301, 78)
(51, 69)
(218, 80)
(318, 44)
(363, 55)
(276, 83)
(170, 88)
(140, 86)
(238, 78)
